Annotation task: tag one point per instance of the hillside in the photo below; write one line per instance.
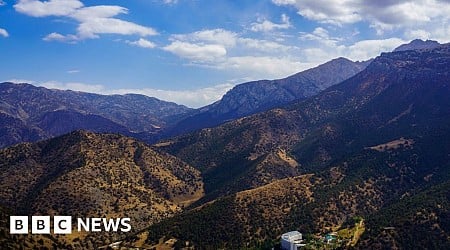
(371, 141)
(419, 221)
(83, 174)
(257, 96)
(32, 113)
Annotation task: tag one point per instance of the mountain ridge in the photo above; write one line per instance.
(418, 44)
(32, 113)
(369, 141)
(258, 96)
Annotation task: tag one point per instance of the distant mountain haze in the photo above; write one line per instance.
(32, 113)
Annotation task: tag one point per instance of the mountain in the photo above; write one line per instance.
(252, 97)
(31, 113)
(84, 175)
(418, 44)
(370, 147)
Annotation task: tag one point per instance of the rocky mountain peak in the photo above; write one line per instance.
(418, 44)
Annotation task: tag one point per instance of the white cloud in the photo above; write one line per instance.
(326, 11)
(262, 45)
(16, 80)
(170, 1)
(143, 43)
(101, 11)
(93, 20)
(366, 49)
(60, 38)
(359, 51)
(196, 52)
(213, 36)
(417, 34)
(270, 67)
(75, 86)
(48, 8)
(441, 33)
(95, 26)
(320, 35)
(192, 98)
(4, 33)
(228, 40)
(2, 3)
(382, 15)
(266, 25)
(283, 2)
(229, 51)
(73, 71)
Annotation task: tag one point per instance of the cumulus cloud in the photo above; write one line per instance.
(60, 38)
(47, 8)
(75, 86)
(320, 35)
(382, 15)
(274, 67)
(170, 1)
(143, 43)
(227, 50)
(93, 20)
(327, 11)
(196, 52)
(366, 49)
(192, 98)
(213, 36)
(262, 45)
(100, 11)
(17, 80)
(359, 51)
(266, 25)
(96, 26)
(3, 32)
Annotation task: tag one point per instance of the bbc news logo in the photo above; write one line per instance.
(63, 225)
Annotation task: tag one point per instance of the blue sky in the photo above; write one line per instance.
(193, 51)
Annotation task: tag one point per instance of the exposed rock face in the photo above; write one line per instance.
(418, 44)
(252, 97)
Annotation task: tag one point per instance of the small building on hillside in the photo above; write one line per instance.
(291, 241)
(330, 238)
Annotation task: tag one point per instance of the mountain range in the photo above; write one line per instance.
(367, 158)
(30, 113)
(366, 147)
(257, 96)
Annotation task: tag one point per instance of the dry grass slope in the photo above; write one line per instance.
(90, 175)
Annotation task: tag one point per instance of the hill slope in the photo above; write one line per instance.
(370, 141)
(83, 174)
